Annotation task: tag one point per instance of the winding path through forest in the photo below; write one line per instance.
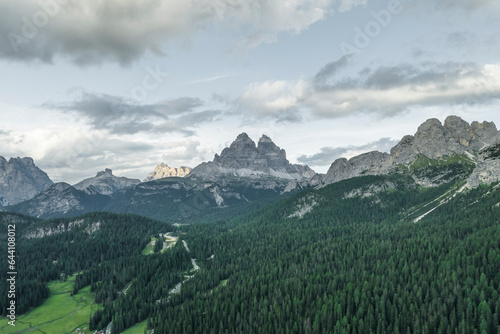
(177, 288)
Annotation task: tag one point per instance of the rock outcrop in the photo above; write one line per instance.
(244, 158)
(163, 170)
(433, 140)
(488, 167)
(105, 183)
(371, 163)
(20, 180)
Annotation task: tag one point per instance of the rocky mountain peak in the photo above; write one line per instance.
(163, 170)
(107, 172)
(20, 180)
(106, 183)
(265, 139)
(244, 158)
(435, 140)
(26, 161)
(267, 145)
(243, 144)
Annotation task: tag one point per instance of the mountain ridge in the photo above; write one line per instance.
(106, 183)
(433, 139)
(246, 172)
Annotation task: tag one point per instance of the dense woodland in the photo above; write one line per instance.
(40, 260)
(350, 266)
(353, 264)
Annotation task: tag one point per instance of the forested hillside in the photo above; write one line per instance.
(374, 254)
(352, 265)
(55, 249)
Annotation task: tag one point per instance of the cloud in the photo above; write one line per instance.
(383, 92)
(122, 116)
(273, 99)
(179, 152)
(93, 32)
(266, 19)
(73, 153)
(347, 5)
(328, 71)
(466, 5)
(329, 154)
(387, 91)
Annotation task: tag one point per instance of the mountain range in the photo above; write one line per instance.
(405, 241)
(246, 172)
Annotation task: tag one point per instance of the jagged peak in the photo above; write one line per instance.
(454, 119)
(243, 138)
(243, 135)
(106, 172)
(265, 139)
(243, 157)
(430, 123)
(485, 125)
(25, 160)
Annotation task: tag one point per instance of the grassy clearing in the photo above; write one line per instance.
(137, 329)
(150, 247)
(60, 313)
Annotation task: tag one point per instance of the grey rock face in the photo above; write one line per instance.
(105, 183)
(430, 139)
(403, 151)
(36, 232)
(371, 163)
(488, 167)
(244, 158)
(20, 180)
(435, 140)
(163, 170)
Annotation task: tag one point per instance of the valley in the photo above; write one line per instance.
(405, 242)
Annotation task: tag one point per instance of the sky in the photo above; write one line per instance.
(127, 85)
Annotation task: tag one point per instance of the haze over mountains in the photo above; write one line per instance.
(245, 172)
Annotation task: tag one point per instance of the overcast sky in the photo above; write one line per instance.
(128, 84)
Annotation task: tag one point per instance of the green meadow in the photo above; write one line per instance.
(150, 247)
(137, 329)
(61, 313)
